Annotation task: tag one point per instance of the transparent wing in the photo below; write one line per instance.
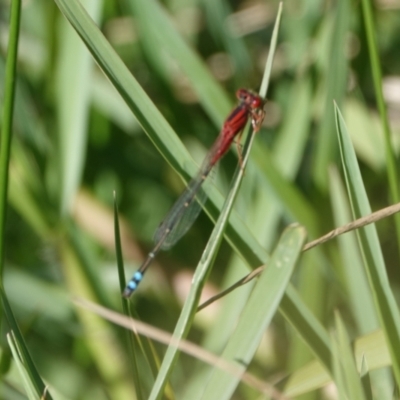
(183, 214)
(187, 208)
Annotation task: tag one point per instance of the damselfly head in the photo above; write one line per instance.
(251, 99)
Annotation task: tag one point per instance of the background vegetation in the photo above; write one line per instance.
(78, 138)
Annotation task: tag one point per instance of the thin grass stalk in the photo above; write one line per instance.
(8, 111)
(5, 140)
(377, 79)
(125, 304)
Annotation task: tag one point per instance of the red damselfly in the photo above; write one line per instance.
(186, 209)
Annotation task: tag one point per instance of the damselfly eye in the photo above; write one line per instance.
(256, 102)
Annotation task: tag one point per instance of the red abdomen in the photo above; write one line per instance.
(232, 126)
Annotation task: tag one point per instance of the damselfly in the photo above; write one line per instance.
(186, 209)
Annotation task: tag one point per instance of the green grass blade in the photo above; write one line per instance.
(366, 380)
(27, 383)
(366, 133)
(7, 122)
(307, 326)
(292, 139)
(87, 261)
(30, 368)
(107, 101)
(335, 82)
(312, 376)
(34, 383)
(338, 372)
(268, 65)
(130, 339)
(258, 312)
(354, 278)
(22, 198)
(151, 120)
(377, 78)
(345, 360)
(118, 252)
(74, 95)
(385, 302)
(374, 349)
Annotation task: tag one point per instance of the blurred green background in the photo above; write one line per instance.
(76, 142)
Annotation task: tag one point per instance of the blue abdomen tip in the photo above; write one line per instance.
(133, 284)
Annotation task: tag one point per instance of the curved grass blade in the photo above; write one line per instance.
(258, 312)
(30, 367)
(36, 385)
(385, 302)
(355, 280)
(360, 296)
(26, 378)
